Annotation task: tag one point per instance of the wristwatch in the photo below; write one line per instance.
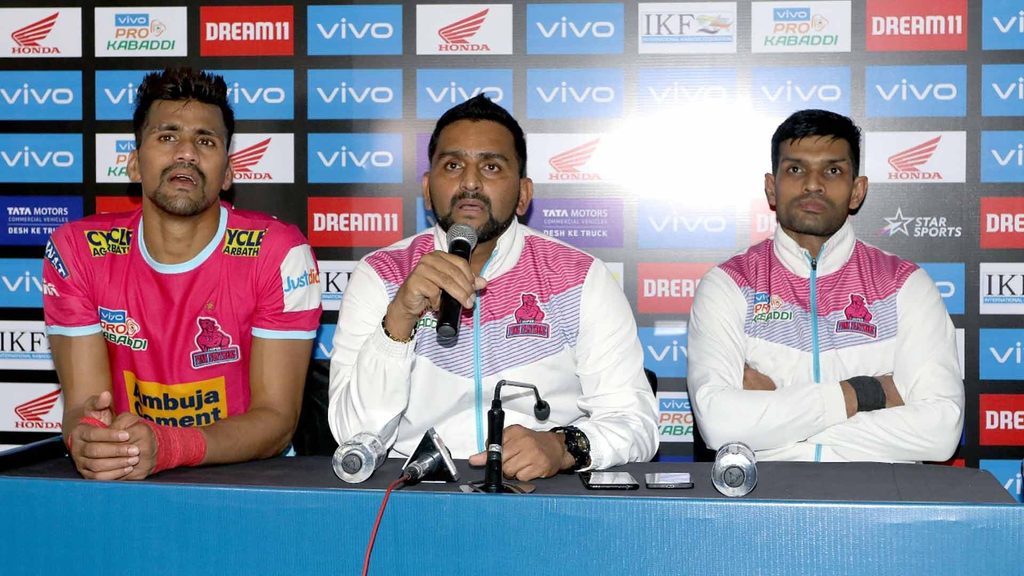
(577, 445)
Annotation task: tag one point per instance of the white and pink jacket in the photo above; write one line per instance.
(808, 324)
(551, 315)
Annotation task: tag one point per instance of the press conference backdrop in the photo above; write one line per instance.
(648, 128)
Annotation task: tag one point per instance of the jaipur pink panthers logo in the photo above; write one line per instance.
(858, 318)
(529, 320)
(214, 345)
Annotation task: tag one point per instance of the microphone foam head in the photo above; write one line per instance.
(462, 233)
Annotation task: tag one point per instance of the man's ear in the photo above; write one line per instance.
(133, 166)
(769, 189)
(425, 189)
(229, 176)
(525, 196)
(860, 192)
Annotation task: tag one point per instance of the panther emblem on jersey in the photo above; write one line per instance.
(529, 319)
(214, 345)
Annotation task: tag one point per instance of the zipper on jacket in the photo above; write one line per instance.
(477, 370)
(814, 320)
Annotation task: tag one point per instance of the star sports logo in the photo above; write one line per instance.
(460, 31)
(243, 161)
(30, 35)
(567, 164)
(907, 162)
(34, 410)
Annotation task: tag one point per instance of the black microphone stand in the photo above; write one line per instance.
(493, 482)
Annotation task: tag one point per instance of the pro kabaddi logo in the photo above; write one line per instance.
(214, 345)
(119, 329)
(858, 318)
(768, 308)
(529, 320)
(28, 38)
(243, 161)
(457, 34)
(31, 413)
(907, 163)
(567, 164)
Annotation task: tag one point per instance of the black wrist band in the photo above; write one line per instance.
(870, 395)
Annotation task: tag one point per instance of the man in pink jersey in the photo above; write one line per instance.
(181, 332)
(813, 345)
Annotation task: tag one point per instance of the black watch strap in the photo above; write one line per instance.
(577, 445)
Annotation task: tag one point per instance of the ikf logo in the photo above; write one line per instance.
(355, 94)
(132, 32)
(574, 93)
(437, 90)
(1008, 473)
(566, 158)
(334, 276)
(354, 30)
(324, 343)
(29, 220)
(1002, 25)
(354, 222)
(658, 87)
(1001, 419)
(908, 91)
(1001, 356)
(260, 94)
(800, 27)
(668, 287)
(915, 25)
(786, 90)
(675, 418)
(1002, 156)
(574, 28)
(1002, 90)
(1002, 222)
(665, 349)
(1001, 289)
(666, 224)
(40, 158)
(24, 346)
(464, 29)
(115, 93)
(355, 158)
(41, 32)
(917, 157)
(40, 95)
(263, 158)
(949, 281)
(688, 27)
(246, 31)
(22, 284)
(112, 151)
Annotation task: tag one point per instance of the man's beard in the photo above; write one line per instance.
(178, 205)
(490, 229)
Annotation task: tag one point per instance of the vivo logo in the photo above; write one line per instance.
(565, 94)
(711, 224)
(344, 94)
(800, 14)
(455, 94)
(1012, 354)
(126, 94)
(905, 90)
(673, 352)
(30, 158)
(791, 92)
(1013, 90)
(1015, 23)
(1013, 156)
(134, 20)
(238, 94)
(25, 283)
(346, 158)
(28, 95)
(345, 30)
(563, 28)
(678, 92)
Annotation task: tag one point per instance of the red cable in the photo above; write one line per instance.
(376, 524)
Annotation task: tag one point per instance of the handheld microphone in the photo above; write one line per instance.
(734, 472)
(461, 241)
(495, 431)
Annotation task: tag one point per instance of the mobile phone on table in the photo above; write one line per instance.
(609, 481)
(668, 480)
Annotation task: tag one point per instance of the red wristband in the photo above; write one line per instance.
(177, 446)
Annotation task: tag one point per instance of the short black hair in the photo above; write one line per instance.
(804, 123)
(182, 83)
(479, 108)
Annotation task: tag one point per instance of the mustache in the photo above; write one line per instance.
(184, 166)
(470, 196)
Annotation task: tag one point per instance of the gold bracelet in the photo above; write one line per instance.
(392, 337)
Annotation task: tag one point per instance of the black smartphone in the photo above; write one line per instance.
(668, 480)
(609, 481)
